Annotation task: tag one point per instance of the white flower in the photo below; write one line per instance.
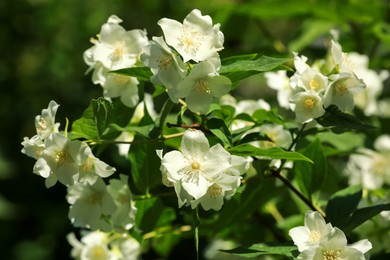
(335, 247)
(45, 123)
(58, 160)
(33, 146)
(117, 48)
(124, 216)
(312, 79)
(307, 105)
(167, 67)
(122, 86)
(200, 86)
(371, 168)
(90, 167)
(281, 83)
(279, 136)
(224, 186)
(93, 245)
(89, 205)
(340, 92)
(96, 245)
(196, 39)
(197, 165)
(339, 59)
(312, 233)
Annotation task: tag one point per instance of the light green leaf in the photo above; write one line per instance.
(141, 73)
(95, 124)
(273, 153)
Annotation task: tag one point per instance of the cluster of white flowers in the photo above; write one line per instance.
(202, 174)
(71, 162)
(311, 89)
(371, 168)
(98, 245)
(114, 49)
(186, 61)
(320, 240)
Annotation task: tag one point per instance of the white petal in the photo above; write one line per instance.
(194, 144)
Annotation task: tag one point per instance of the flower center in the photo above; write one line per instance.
(164, 62)
(88, 165)
(314, 236)
(41, 125)
(190, 40)
(328, 254)
(341, 89)
(62, 157)
(195, 166)
(309, 103)
(313, 84)
(98, 252)
(94, 198)
(214, 190)
(119, 51)
(121, 80)
(202, 86)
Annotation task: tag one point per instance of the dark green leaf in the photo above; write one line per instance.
(341, 121)
(342, 204)
(360, 216)
(264, 249)
(274, 152)
(218, 127)
(310, 176)
(262, 115)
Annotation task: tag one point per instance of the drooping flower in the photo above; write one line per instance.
(167, 67)
(201, 86)
(340, 92)
(280, 82)
(124, 215)
(196, 39)
(90, 167)
(90, 204)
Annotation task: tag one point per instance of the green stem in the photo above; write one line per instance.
(277, 174)
(196, 230)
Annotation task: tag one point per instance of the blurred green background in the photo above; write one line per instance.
(42, 42)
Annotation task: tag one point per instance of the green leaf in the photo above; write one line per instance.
(342, 204)
(95, 124)
(241, 69)
(218, 127)
(360, 216)
(274, 152)
(141, 73)
(310, 176)
(341, 121)
(262, 115)
(264, 249)
(262, 64)
(144, 164)
(151, 214)
(232, 59)
(258, 190)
